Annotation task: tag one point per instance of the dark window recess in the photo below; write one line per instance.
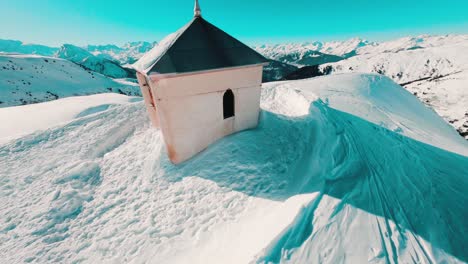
(228, 104)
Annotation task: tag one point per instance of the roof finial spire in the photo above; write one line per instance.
(197, 10)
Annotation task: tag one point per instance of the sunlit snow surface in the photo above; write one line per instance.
(336, 172)
(18, 121)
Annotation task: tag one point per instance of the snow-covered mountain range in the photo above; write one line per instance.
(298, 53)
(126, 54)
(313, 53)
(110, 60)
(346, 168)
(94, 63)
(433, 68)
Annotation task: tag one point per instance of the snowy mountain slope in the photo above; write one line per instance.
(335, 185)
(126, 54)
(345, 48)
(93, 63)
(26, 79)
(448, 96)
(437, 73)
(15, 46)
(275, 71)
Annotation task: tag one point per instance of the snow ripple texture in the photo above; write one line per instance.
(314, 183)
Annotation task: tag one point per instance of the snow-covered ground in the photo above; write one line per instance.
(342, 169)
(26, 79)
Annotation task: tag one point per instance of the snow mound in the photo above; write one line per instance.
(26, 79)
(124, 55)
(327, 177)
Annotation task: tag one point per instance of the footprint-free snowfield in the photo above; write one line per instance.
(342, 169)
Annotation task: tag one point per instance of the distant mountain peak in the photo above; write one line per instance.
(88, 60)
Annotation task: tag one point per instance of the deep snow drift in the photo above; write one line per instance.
(336, 172)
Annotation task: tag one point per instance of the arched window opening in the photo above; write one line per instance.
(228, 104)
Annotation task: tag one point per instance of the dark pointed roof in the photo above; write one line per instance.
(198, 46)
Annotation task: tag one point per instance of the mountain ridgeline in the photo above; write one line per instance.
(110, 60)
(433, 68)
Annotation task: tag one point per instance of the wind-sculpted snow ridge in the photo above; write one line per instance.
(335, 173)
(382, 198)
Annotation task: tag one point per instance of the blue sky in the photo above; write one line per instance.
(53, 22)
